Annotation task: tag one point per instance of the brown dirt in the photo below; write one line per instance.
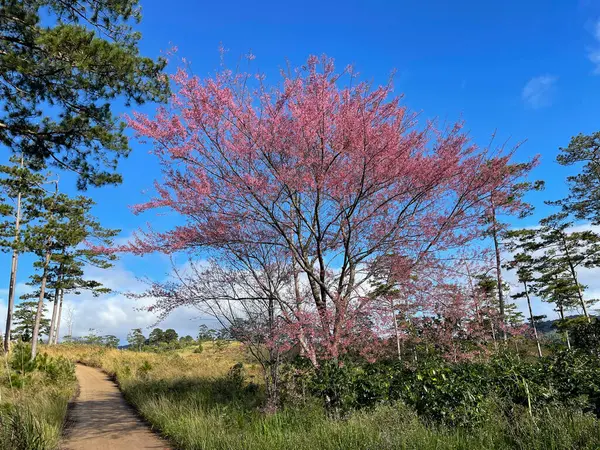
(101, 419)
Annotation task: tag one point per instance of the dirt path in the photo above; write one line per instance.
(101, 419)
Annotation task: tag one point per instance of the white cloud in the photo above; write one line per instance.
(539, 91)
(594, 51)
(117, 314)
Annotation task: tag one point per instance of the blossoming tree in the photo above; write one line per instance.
(333, 173)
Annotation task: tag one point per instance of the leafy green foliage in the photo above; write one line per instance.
(463, 394)
(586, 336)
(110, 341)
(170, 335)
(136, 339)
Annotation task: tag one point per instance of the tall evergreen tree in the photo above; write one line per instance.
(63, 226)
(136, 339)
(583, 200)
(485, 288)
(522, 243)
(19, 184)
(67, 275)
(569, 250)
(24, 321)
(62, 65)
(555, 285)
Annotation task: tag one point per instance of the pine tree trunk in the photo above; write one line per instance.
(535, 333)
(562, 318)
(574, 275)
(498, 271)
(54, 315)
(579, 293)
(396, 330)
(11, 299)
(40, 307)
(56, 334)
(493, 334)
(13, 275)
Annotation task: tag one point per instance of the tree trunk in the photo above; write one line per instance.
(574, 275)
(56, 333)
(55, 308)
(70, 319)
(535, 333)
(566, 332)
(54, 315)
(13, 275)
(493, 334)
(272, 382)
(498, 271)
(11, 299)
(40, 307)
(396, 330)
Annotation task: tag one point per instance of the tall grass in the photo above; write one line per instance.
(32, 408)
(196, 403)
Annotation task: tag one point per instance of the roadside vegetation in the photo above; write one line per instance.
(33, 399)
(214, 399)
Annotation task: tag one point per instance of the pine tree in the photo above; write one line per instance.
(523, 242)
(569, 250)
(68, 268)
(556, 285)
(62, 65)
(136, 339)
(24, 321)
(64, 224)
(583, 200)
(19, 184)
(486, 292)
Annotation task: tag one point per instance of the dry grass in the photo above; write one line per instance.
(211, 363)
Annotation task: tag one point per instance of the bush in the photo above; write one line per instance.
(199, 349)
(33, 408)
(463, 394)
(56, 369)
(586, 336)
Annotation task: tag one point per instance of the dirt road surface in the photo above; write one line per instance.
(100, 419)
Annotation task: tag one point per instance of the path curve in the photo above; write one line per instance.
(100, 419)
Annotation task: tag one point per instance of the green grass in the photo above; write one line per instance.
(186, 414)
(190, 400)
(32, 408)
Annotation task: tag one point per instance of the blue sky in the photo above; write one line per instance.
(527, 69)
(516, 67)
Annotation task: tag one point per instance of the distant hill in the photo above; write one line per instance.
(548, 326)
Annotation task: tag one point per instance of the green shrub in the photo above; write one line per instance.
(56, 369)
(586, 336)
(462, 394)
